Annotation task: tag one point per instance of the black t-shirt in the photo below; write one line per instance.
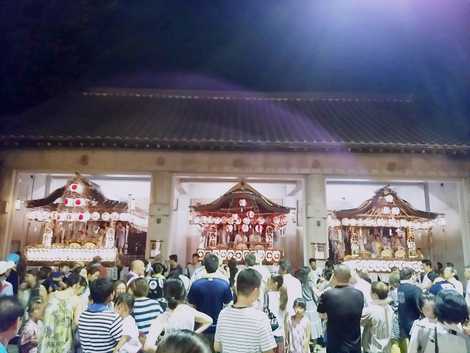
(343, 305)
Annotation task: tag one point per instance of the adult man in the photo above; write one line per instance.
(210, 293)
(292, 284)
(137, 271)
(446, 280)
(251, 262)
(451, 275)
(315, 272)
(100, 328)
(175, 268)
(240, 327)
(343, 306)
(156, 282)
(6, 288)
(427, 269)
(193, 266)
(11, 312)
(408, 305)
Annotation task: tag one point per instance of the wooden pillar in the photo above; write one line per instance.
(316, 213)
(160, 210)
(465, 219)
(7, 207)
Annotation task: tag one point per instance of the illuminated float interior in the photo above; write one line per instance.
(239, 222)
(78, 223)
(380, 234)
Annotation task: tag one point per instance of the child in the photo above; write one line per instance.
(129, 342)
(377, 321)
(276, 301)
(297, 329)
(31, 331)
(424, 325)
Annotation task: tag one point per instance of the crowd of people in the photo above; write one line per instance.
(213, 306)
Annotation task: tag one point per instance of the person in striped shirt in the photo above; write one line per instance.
(145, 309)
(99, 327)
(241, 328)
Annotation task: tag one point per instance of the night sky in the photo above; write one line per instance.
(401, 46)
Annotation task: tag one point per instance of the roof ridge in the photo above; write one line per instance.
(245, 95)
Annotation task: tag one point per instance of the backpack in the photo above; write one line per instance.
(436, 341)
(156, 287)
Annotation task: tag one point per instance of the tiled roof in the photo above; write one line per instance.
(127, 118)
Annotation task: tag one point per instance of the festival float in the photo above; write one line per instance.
(380, 234)
(79, 223)
(240, 222)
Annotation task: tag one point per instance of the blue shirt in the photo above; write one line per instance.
(3, 349)
(439, 286)
(209, 295)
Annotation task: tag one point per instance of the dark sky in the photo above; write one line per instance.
(400, 46)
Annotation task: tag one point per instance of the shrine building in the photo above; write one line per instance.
(140, 172)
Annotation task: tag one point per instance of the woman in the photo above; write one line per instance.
(184, 341)
(61, 316)
(120, 287)
(310, 295)
(447, 334)
(276, 301)
(179, 315)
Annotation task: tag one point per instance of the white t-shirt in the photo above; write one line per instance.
(244, 330)
(129, 328)
(294, 291)
(467, 293)
(457, 285)
(274, 302)
(182, 318)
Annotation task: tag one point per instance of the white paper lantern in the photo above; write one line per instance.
(386, 210)
(242, 203)
(114, 216)
(250, 214)
(124, 216)
(246, 220)
(95, 216)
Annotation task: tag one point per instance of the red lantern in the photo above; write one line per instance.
(78, 202)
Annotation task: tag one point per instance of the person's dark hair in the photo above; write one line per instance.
(140, 287)
(302, 275)
(312, 260)
(250, 260)
(184, 341)
(426, 262)
(278, 279)
(327, 273)
(406, 273)
(211, 263)
(101, 290)
(92, 268)
(34, 305)
(195, 255)
(285, 266)
(450, 264)
(10, 311)
(44, 273)
(432, 276)
(394, 280)
(300, 302)
(380, 289)
(440, 266)
(451, 307)
(394, 269)
(233, 268)
(174, 292)
(73, 279)
(157, 268)
(247, 281)
(425, 297)
(173, 257)
(117, 283)
(127, 299)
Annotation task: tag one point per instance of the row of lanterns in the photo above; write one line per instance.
(235, 219)
(385, 222)
(42, 216)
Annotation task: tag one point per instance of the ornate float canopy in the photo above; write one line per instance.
(385, 209)
(82, 200)
(243, 196)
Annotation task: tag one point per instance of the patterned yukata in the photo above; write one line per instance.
(297, 334)
(57, 334)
